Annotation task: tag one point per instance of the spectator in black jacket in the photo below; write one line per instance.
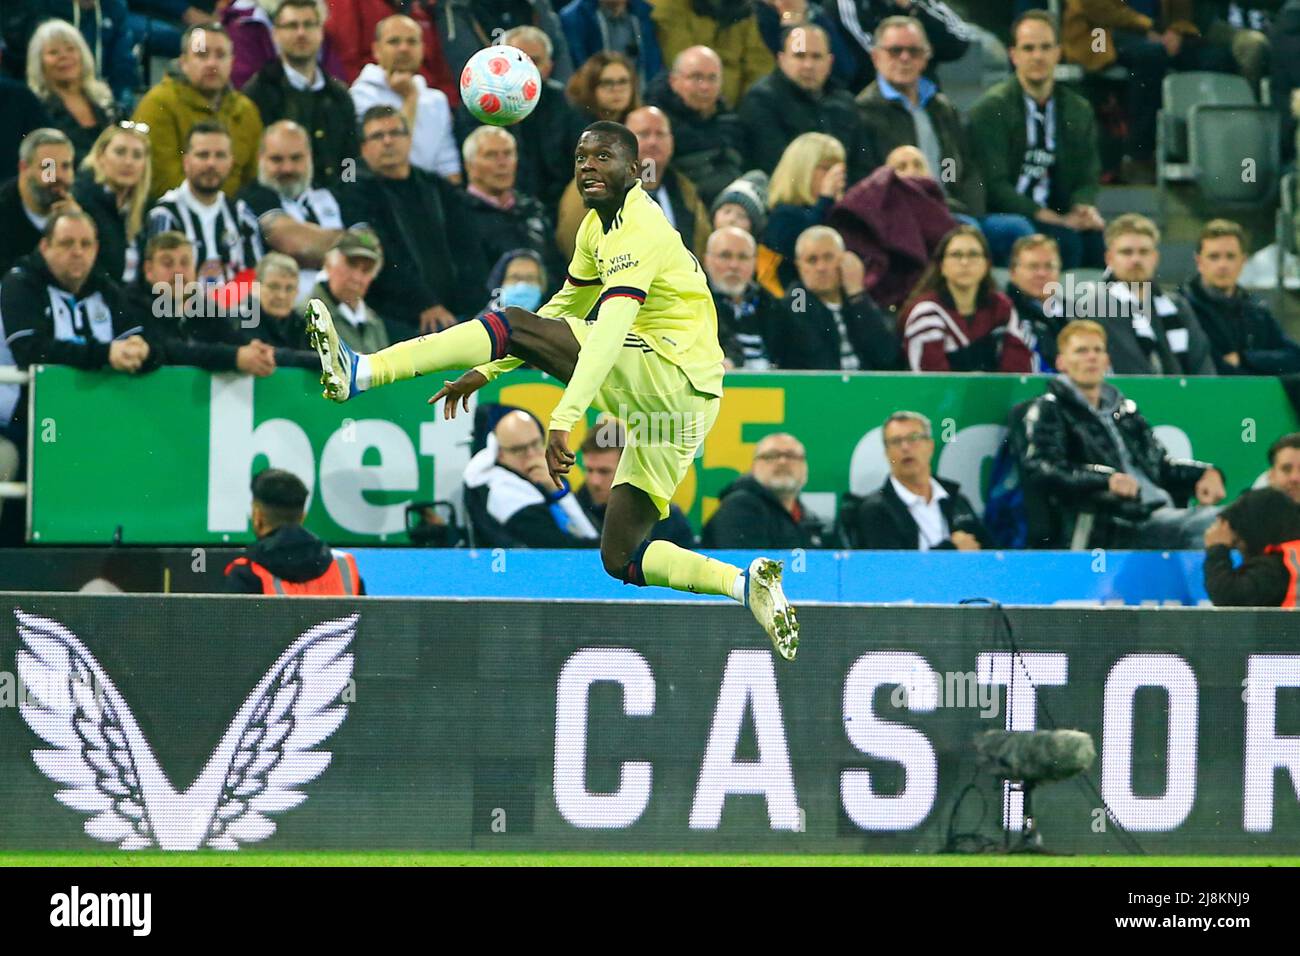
(59, 310)
(1264, 526)
(1245, 338)
(1150, 331)
(709, 141)
(433, 269)
(796, 98)
(275, 321)
(293, 86)
(1284, 466)
(503, 217)
(601, 451)
(1087, 448)
(511, 499)
(836, 325)
(762, 509)
(915, 510)
(186, 319)
(20, 113)
(858, 19)
(1034, 288)
(113, 187)
(750, 319)
(43, 186)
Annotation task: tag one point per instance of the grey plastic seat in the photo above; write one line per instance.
(1180, 92)
(1236, 153)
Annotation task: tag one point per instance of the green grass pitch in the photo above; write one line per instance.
(396, 858)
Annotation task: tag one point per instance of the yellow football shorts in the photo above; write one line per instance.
(665, 419)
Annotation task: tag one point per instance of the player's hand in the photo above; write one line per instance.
(436, 318)
(458, 393)
(558, 457)
(1209, 488)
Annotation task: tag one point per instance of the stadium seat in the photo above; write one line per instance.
(1285, 226)
(983, 65)
(1236, 153)
(1180, 93)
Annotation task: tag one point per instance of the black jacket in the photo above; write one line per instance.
(775, 111)
(1045, 327)
(202, 342)
(525, 225)
(18, 237)
(675, 528)
(290, 552)
(452, 275)
(101, 205)
(1068, 453)
(20, 113)
(749, 331)
(1167, 351)
(888, 124)
(327, 114)
(813, 340)
(750, 516)
(1260, 581)
(709, 152)
(546, 139)
(883, 522)
(38, 332)
(1241, 323)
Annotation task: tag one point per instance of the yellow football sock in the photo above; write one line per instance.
(461, 346)
(666, 565)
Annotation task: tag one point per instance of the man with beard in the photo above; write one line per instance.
(649, 355)
(295, 218)
(225, 234)
(42, 188)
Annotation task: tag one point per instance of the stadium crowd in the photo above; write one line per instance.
(848, 214)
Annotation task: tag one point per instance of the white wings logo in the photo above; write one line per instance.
(109, 770)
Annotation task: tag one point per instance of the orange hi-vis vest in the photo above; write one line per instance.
(1290, 551)
(341, 577)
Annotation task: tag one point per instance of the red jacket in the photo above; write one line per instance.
(937, 339)
(350, 30)
(894, 224)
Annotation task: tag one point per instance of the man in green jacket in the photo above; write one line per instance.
(350, 267)
(200, 91)
(1048, 170)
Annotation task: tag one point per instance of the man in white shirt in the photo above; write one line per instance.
(395, 81)
(914, 510)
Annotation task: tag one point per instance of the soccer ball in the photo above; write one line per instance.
(500, 85)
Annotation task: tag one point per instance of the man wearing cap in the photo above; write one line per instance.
(287, 559)
(350, 267)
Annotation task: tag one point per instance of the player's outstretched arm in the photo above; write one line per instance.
(458, 392)
(596, 358)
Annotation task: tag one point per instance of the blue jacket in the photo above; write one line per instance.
(582, 28)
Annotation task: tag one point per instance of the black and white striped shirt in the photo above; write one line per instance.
(226, 236)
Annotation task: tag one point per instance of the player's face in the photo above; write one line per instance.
(1285, 473)
(1083, 359)
(908, 449)
(1035, 52)
(169, 265)
(1132, 257)
(1034, 269)
(1220, 262)
(599, 469)
(70, 252)
(603, 168)
(285, 164)
(207, 162)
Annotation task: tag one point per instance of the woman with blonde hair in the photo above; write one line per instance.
(61, 72)
(605, 87)
(807, 182)
(113, 187)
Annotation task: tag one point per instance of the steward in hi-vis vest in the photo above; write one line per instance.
(287, 558)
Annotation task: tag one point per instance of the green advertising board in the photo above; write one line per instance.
(167, 457)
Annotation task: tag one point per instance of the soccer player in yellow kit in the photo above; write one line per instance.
(637, 337)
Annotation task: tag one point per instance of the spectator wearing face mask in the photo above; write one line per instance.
(518, 278)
